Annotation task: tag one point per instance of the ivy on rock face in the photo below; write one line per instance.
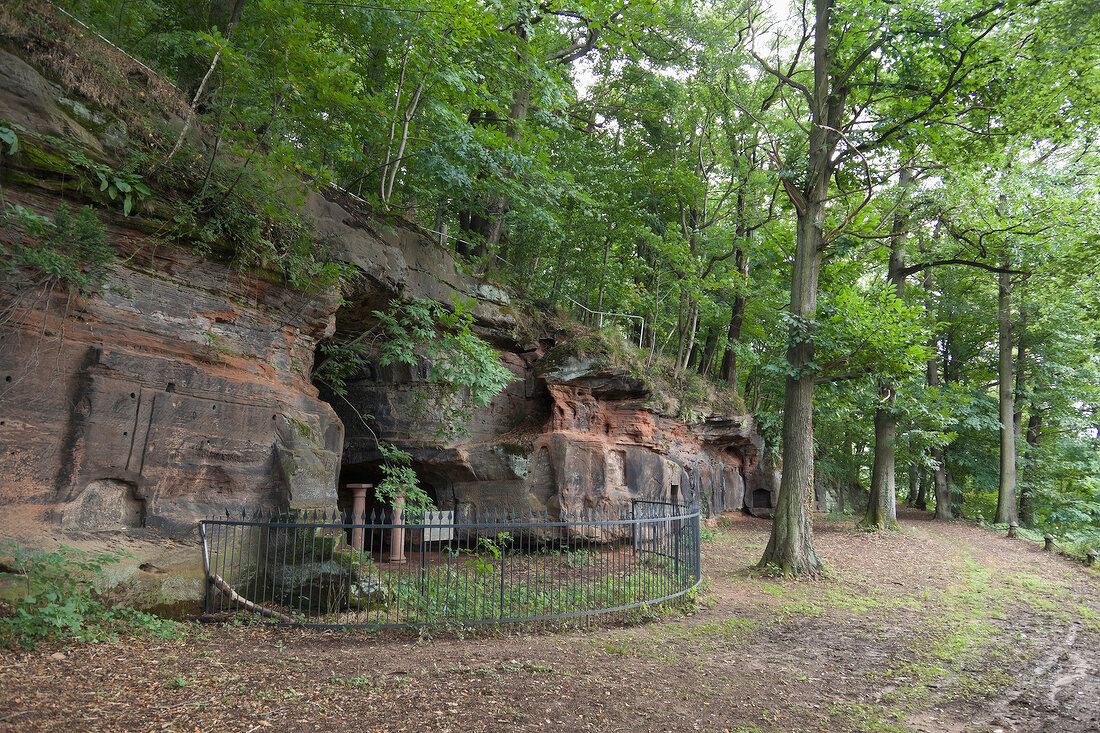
(464, 371)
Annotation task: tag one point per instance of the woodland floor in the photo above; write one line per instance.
(938, 628)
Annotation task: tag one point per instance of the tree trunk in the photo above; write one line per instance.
(941, 487)
(709, 347)
(737, 319)
(222, 15)
(489, 226)
(791, 546)
(603, 274)
(559, 266)
(882, 504)
(914, 484)
(689, 347)
(881, 512)
(921, 501)
(1027, 489)
(1006, 490)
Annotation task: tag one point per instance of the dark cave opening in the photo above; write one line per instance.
(762, 499)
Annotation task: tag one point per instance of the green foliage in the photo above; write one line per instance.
(399, 479)
(488, 549)
(59, 602)
(123, 186)
(475, 591)
(464, 370)
(9, 138)
(119, 185)
(69, 249)
(657, 188)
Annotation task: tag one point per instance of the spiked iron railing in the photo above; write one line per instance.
(298, 568)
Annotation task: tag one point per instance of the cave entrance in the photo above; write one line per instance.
(370, 472)
(762, 499)
(374, 540)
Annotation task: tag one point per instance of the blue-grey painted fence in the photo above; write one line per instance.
(301, 568)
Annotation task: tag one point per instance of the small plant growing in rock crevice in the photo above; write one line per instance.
(69, 249)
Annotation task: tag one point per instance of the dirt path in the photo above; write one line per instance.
(936, 628)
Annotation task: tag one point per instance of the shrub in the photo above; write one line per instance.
(58, 600)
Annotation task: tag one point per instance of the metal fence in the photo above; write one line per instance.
(323, 570)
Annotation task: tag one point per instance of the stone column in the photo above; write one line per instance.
(397, 534)
(358, 511)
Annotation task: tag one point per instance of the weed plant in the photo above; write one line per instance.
(58, 600)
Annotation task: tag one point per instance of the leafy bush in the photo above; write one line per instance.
(59, 601)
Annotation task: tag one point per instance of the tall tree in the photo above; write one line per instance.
(881, 510)
(852, 111)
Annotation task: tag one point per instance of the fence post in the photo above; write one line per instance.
(501, 583)
(676, 551)
(208, 602)
(634, 533)
(698, 559)
(1090, 558)
(1013, 529)
(1048, 543)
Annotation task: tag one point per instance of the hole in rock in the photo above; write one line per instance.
(762, 498)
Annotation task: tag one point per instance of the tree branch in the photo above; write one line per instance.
(785, 79)
(907, 271)
(842, 377)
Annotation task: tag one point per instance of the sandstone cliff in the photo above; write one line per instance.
(181, 387)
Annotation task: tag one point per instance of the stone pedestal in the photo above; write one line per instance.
(397, 534)
(358, 513)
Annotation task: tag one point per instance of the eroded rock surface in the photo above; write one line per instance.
(169, 398)
(575, 438)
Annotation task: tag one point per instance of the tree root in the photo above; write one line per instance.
(235, 597)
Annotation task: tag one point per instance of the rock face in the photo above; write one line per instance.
(595, 444)
(168, 398)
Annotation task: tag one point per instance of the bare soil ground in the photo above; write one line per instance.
(937, 628)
